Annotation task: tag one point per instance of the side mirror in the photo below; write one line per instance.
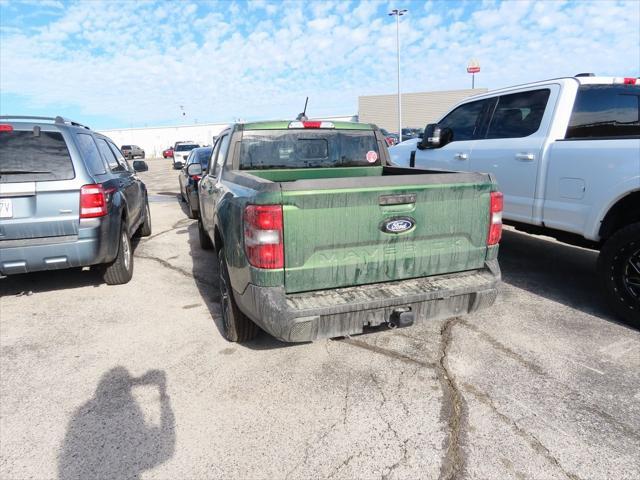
(194, 169)
(140, 166)
(435, 137)
(178, 165)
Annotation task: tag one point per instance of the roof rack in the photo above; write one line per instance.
(58, 119)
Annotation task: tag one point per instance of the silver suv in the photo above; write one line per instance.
(68, 198)
(131, 151)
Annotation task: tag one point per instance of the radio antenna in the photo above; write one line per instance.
(303, 116)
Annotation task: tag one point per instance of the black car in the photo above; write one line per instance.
(68, 198)
(189, 184)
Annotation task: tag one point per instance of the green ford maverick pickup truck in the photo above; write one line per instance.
(318, 236)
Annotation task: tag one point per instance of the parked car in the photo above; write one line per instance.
(132, 151)
(181, 152)
(167, 153)
(390, 138)
(68, 198)
(316, 236)
(566, 154)
(411, 133)
(189, 183)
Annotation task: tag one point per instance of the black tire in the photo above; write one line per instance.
(145, 228)
(236, 326)
(121, 269)
(203, 236)
(142, 155)
(619, 269)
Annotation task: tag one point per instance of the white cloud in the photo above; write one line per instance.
(128, 60)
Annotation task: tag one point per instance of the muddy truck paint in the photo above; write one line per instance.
(362, 245)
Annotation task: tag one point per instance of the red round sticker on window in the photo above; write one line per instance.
(372, 156)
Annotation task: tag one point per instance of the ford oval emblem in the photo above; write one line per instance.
(398, 224)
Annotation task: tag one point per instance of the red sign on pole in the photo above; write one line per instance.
(473, 66)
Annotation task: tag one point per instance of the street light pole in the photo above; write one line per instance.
(398, 13)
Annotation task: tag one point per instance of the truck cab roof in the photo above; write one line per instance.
(581, 80)
(296, 124)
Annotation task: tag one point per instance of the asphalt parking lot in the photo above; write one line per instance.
(136, 381)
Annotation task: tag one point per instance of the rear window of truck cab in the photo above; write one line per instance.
(34, 156)
(605, 111)
(308, 148)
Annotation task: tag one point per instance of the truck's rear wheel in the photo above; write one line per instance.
(236, 326)
(619, 268)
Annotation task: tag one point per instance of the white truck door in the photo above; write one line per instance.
(597, 162)
(511, 146)
(465, 122)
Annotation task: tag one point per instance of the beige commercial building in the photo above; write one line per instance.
(418, 109)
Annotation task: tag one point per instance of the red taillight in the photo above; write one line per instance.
(93, 201)
(6, 128)
(311, 124)
(196, 177)
(495, 218)
(263, 238)
(626, 80)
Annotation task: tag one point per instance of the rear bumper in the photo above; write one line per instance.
(95, 243)
(346, 311)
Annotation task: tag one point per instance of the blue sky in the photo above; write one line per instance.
(118, 64)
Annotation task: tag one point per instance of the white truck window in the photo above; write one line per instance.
(605, 111)
(519, 114)
(464, 121)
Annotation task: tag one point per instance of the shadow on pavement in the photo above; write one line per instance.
(557, 271)
(205, 273)
(108, 436)
(50, 280)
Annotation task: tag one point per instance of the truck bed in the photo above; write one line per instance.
(337, 222)
(345, 177)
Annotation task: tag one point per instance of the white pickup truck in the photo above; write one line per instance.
(566, 155)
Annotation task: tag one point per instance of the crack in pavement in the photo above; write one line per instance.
(403, 443)
(534, 367)
(308, 446)
(453, 408)
(184, 222)
(345, 462)
(326, 432)
(529, 437)
(383, 351)
(182, 271)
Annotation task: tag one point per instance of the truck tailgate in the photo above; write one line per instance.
(337, 236)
